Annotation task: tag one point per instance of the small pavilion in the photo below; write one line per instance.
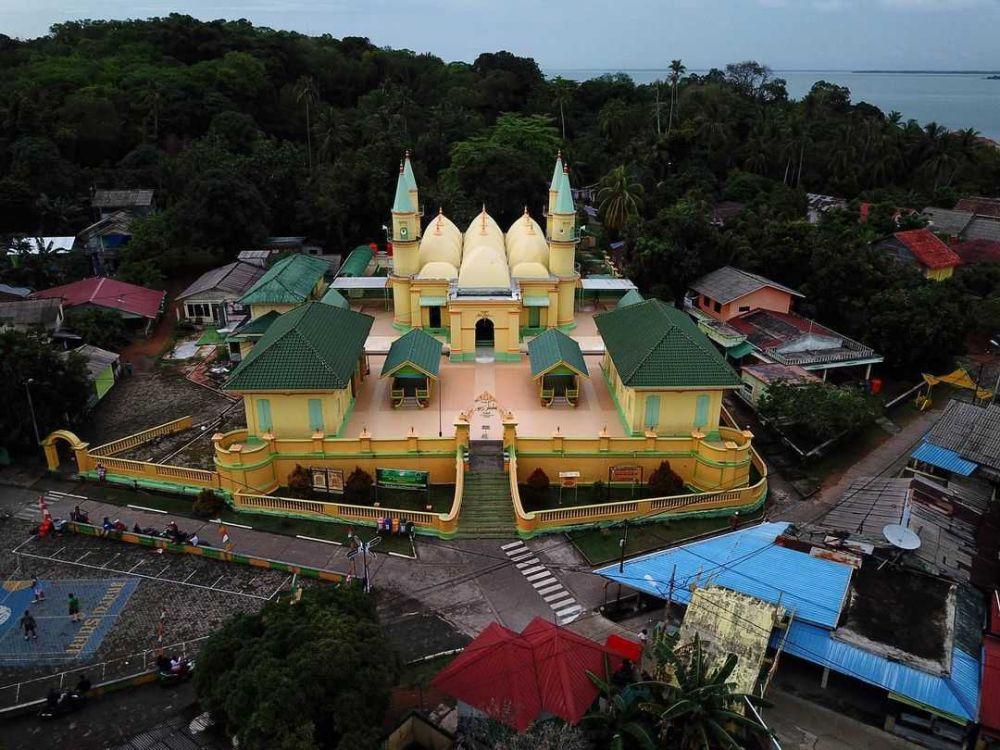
(557, 364)
(414, 360)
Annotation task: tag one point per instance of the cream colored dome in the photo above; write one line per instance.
(438, 269)
(442, 242)
(527, 248)
(484, 231)
(530, 270)
(484, 267)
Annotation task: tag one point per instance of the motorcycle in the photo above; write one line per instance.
(67, 702)
(166, 676)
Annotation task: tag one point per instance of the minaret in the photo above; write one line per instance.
(562, 248)
(411, 186)
(557, 174)
(405, 247)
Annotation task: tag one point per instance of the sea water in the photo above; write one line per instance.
(954, 100)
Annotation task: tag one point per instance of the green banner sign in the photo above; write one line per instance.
(402, 479)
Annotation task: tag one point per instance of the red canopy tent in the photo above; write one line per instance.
(513, 678)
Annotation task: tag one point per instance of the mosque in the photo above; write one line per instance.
(484, 290)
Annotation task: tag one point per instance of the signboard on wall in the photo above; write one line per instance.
(569, 478)
(625, 474)
(402, 479)
(327, 480)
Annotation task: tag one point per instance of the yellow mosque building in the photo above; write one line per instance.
(483, 289)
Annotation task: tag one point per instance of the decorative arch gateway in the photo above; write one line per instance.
(79, 448)
(487, 419)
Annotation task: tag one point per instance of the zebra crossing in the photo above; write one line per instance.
(546, 585)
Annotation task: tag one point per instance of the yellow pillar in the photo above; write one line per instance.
(400, 300)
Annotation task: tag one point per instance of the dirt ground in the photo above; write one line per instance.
(147, 399)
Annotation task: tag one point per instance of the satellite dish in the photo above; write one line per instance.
(901, 537)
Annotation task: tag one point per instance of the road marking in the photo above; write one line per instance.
(136, 565)
(67, 494)
(554, 597)
(528, 571)
(536, 576)
(569, 619)
(148, 510)
(525, 563)
(521, 555)
(217, 582)
(549, 589)
(547, 582)
(83, 556)
(117, 554)
(511, 546)
(569, 610)
(560, 604)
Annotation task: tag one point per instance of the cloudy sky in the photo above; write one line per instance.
(786, 34)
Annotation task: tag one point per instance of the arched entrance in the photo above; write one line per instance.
(51, 446)
(484, 333)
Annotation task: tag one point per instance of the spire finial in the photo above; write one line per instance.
(440, 211)
(407, 153)
(401, 166)
(525, 209)
(559, 154)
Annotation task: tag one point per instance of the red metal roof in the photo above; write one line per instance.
(513, 678)
(624, 647)
(994, 627)
(928, 249)
(978, 251)
(111, 293)
(989, 694)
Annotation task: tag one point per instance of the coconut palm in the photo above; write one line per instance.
(306, 93)
(677, 69)
(562, 95)
(619, 198)
(697, 707)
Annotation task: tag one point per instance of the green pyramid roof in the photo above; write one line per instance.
(655, 345)
(416, 348)
(557, 174)
(564, 200)
(411, 180)
(631, 297)
(552, 348)
(402, 203)
(335, 298)
(314, 347)
(291, 279)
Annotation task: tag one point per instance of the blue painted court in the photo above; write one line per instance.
(59, 641)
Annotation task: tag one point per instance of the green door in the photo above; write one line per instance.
(263, 415)
(534, 317)
(701, 411)
(315, 415)
(652, 412)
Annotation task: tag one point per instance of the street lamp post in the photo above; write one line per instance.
(31, 408)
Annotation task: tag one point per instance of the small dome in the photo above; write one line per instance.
(527, 248)
(484, 267)
(441, 242)
(438, 269)
(529, 270)
(484, 230)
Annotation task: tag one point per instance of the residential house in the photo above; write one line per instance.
(10, 293)
(259, 258)
(136, 202)
(923, 249)
(104, 239)
(131, 301)
(978, 251)
(948, 223)
(749, 315)
(103, 369)
(42, 315)
(289, 282)
(983, 228)
(818, 204)
(213, 299)
(758, 377)
(980, 206)
(302, 375)
(663, 373)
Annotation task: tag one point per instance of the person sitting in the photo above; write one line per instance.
(177, 665)
(137, 529)
(120, 525)
(194, 541)
(163, 663)
(83, 685)
(52, 699)
(107, 525)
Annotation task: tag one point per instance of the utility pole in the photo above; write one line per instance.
(31, 408)
(621, 543)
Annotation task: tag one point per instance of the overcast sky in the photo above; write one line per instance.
(799, 34)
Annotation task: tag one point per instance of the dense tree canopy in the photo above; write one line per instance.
(248, 131)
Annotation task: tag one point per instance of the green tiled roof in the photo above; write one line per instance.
(356, 262)
(290, 280)
(557, 174)
(564, 200)
(335, 298)
(254, 328)
(553, 348)
(313, 347)
(631, 297)
(655, 345)
(402, 203)
(416, 348)
(411, 180)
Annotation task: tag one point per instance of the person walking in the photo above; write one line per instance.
(29, 625)
(74, 609)
(37, 590)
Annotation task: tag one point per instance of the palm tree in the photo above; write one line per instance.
(699, 709)
(677, 69)
(562, 94)
(612, 120)
(621, 717)
(306, 92)
(619, 198)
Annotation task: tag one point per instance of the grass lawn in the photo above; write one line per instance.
(581, 495)
(331, 531)
(600, 546)
(441, 497)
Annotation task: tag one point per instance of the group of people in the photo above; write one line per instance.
(59, 698)
(30, 625)
(171, 531)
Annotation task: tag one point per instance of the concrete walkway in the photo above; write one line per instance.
(803, 725)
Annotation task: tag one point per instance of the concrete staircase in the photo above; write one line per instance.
(487, 508)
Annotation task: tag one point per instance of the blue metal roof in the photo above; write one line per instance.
(747, 561)
(944, 459)
(956, 694)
